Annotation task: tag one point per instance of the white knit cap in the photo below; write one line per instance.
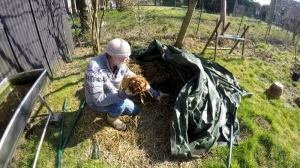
(118, 48)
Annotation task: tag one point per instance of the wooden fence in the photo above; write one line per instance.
(34, 34)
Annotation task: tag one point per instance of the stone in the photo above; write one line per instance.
(275, 90)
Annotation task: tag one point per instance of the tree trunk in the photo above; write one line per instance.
(84, 16)
(223, 10)
(223, 14)
(94, 36)
(74, 7)
(185, 23)
(102, 20)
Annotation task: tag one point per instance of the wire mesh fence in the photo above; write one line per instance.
(148, 22)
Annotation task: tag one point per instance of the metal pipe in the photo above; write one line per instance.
(61, 135)
(72, 127)
(231, 137)
(41, 141)
(44, 102)
(44, 131)
(232, 118)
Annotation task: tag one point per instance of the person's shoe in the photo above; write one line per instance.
(116, 123)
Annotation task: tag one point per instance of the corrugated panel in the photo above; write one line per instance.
(22, 34)
(8, 62)
(57, 18)
(43, 17)
(66, 27)
(68, 34)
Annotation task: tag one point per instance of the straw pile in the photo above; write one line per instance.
(146, 142)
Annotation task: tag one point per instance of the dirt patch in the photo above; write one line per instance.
(263, 123)
(245, 132)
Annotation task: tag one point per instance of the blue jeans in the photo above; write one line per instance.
(126, 107)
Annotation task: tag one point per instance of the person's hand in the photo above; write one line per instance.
(161, 95)
(156, 94)
(128, 92)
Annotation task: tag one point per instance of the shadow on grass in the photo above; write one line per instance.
(84, 57)
(69, 75)
(68, 121)
(70, 84)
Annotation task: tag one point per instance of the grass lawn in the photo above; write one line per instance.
(270, 130)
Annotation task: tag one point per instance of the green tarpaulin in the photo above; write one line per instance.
(206, 103)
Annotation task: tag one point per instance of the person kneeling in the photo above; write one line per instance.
(102, 79)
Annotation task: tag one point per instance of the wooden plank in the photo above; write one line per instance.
(212, 35)
(216, 45)
(239, 40)
(234, 37)
(212, 48)
(244, 40)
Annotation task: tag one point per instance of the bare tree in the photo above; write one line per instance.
(97, 22)
(85, 21)
(95, 39)
(291, 18)
(223, 13)
(74, 7)
(223, 10)
(185, 23)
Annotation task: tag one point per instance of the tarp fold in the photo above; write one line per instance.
(209, 97)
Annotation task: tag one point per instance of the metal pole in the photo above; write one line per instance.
(44, 131)
(139, 20)
(73, 125)
(232, 118)
(230, 145)
(201, 9)
(41, 141)
(44, 102)
(61, 134)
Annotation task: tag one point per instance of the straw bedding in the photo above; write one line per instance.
(146, 142)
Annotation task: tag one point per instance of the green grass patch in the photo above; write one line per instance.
(269, 128)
